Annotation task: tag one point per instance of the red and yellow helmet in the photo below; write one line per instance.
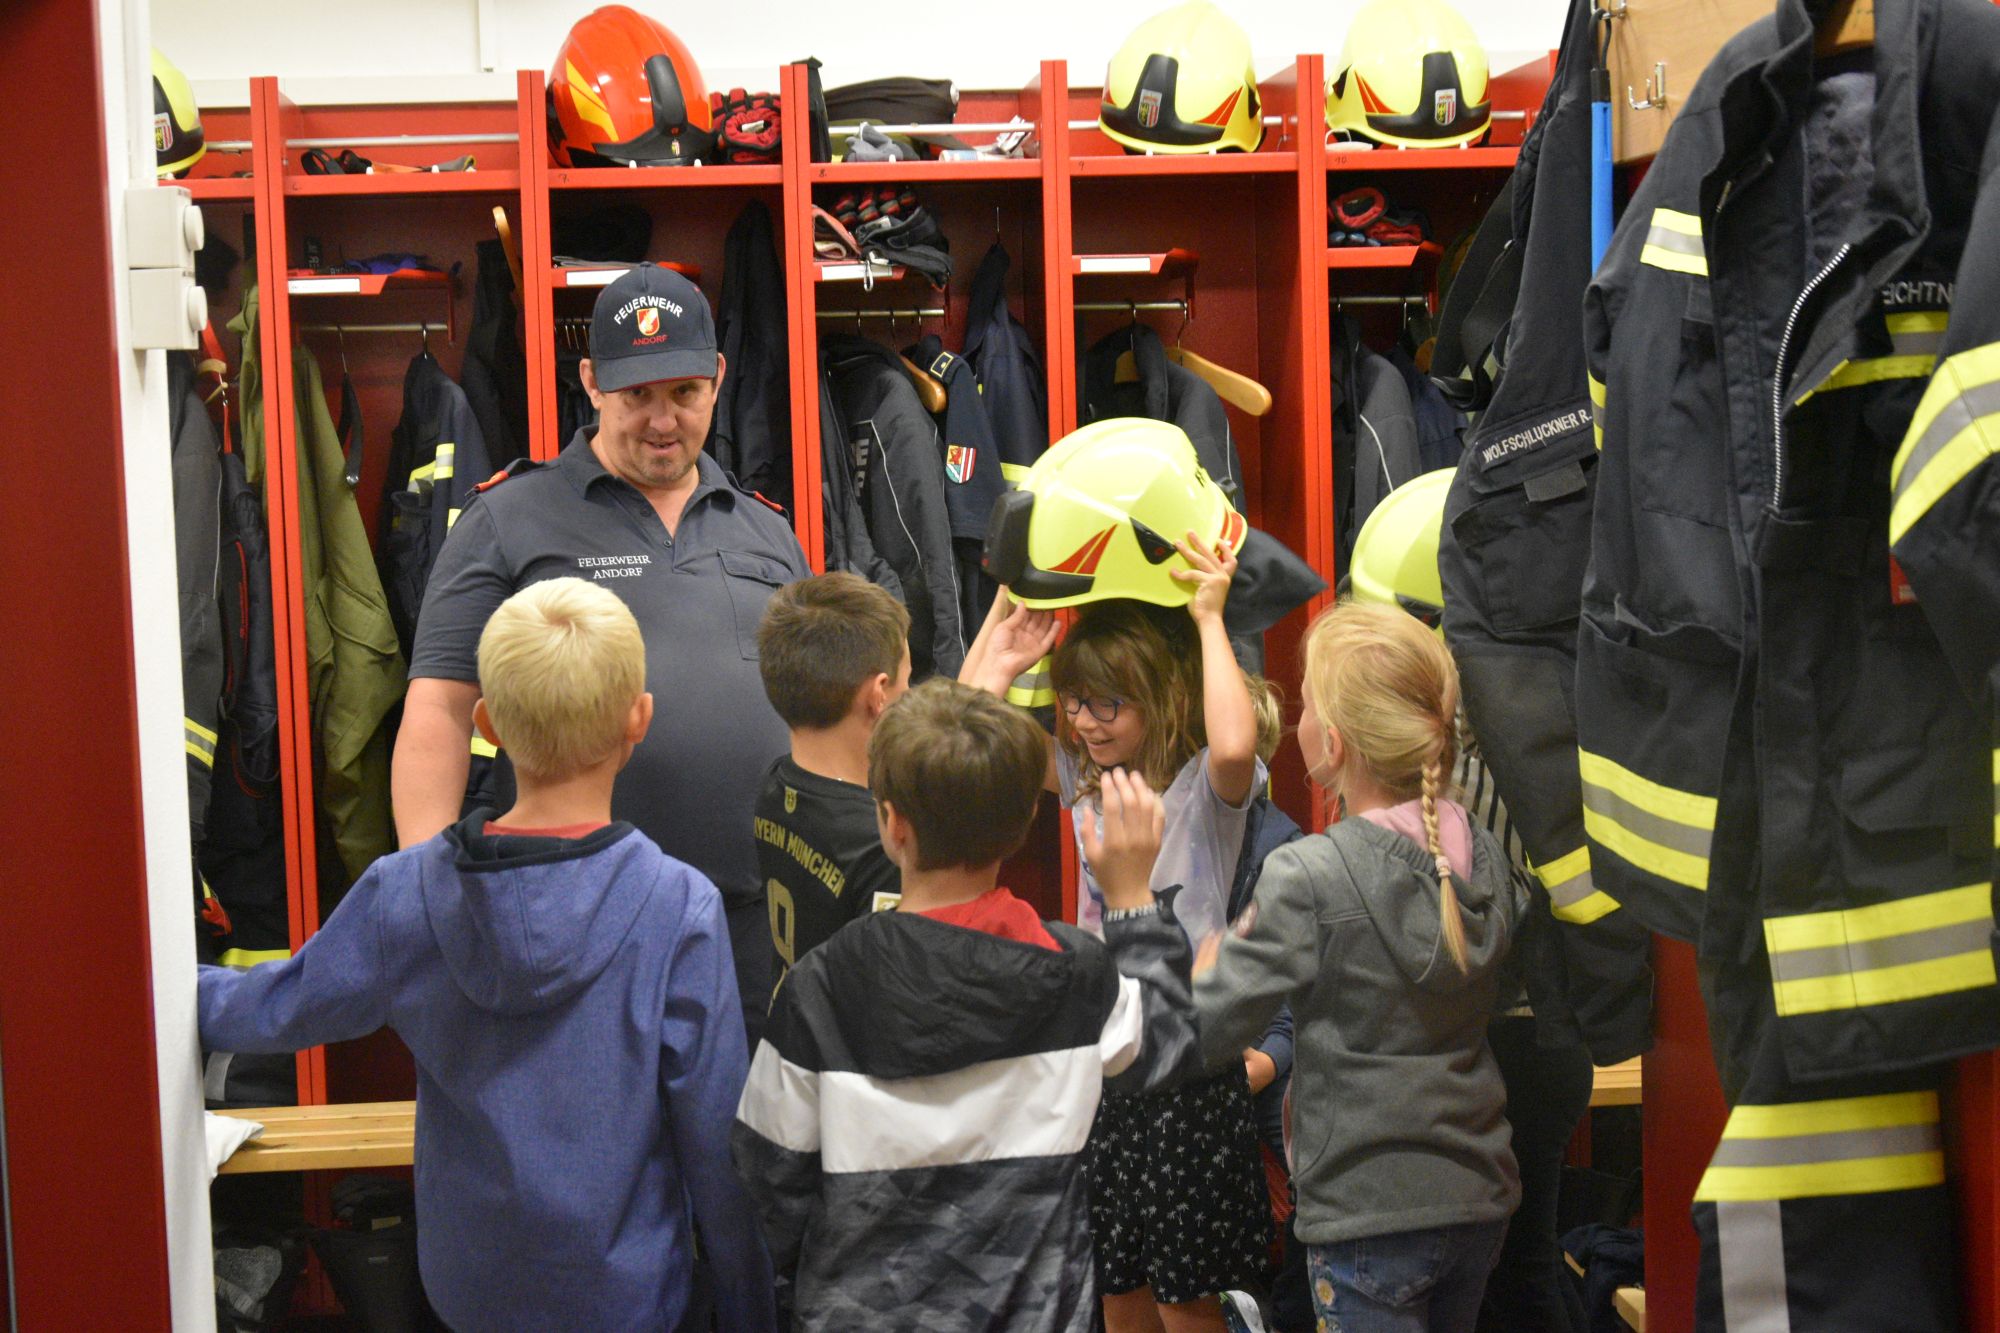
(625, 90)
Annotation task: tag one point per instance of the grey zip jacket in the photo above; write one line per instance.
(1398, 1112)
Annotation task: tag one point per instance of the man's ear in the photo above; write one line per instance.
(483, 721)
(640, 719)
(721, 365)
(588, 374)
(894, 830)
(876, 695)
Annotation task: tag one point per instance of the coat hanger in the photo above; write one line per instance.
(511, 246)
(1848, 25)
(1239, 391)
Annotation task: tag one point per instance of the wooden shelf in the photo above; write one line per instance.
(662, 178)
(1372, 256)
(917, 173)
(217, 189)
(1185, 164)
(365, 284)
(1630, 1302)
(1616, 1085)
(1419, 159)
(407, 182)
(603, 275)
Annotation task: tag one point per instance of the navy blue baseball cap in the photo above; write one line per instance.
(651, 324)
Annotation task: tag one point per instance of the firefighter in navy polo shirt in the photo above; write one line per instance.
(640, 508)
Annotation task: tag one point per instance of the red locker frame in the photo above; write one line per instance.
(1266, 312)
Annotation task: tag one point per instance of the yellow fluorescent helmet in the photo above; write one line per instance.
(1412, 74)
(1183, 82)
(1395, 559)
(1097, 516)
(177, 138)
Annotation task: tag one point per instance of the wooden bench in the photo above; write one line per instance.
(1629, 1302)
(364, 1134)
(319, 1138)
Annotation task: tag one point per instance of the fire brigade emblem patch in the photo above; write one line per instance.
(791, 801)
(649, 321)
(1149, 110)
(1444, 106)
(958, 462)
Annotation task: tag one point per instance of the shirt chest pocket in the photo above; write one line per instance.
(751, 579)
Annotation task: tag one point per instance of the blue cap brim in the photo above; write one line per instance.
(624, 372)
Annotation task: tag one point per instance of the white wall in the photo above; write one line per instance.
(155, 610)
(403, 50)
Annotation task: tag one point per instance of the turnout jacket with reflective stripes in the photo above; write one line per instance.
(914, 1120)
(1786, 681)
(1511, 559)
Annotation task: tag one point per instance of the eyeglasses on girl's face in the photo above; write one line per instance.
(1104, 709)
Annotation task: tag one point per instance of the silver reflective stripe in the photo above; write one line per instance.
(446, 454)
(1750, 1239)
(215, 1076)
(1918, 946)
(1917, 342)
(1666, 832)
(1848, 1145)
(1957, 415)
(1679, 242)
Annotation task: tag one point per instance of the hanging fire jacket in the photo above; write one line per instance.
(353, 664)
(1011, 380)
(1374, 432)
(1791, 630)
(752, 432)
(436, 456)
(197, 474)
(495, 371)
(898, 468)
(1164, 392)
(1515, 540)
(847, 544)
(972, 475)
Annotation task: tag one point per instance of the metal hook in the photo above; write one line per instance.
(424, 332)
(340, 336)
(1656, 90)
(1187, 315)
(1135, 310)
(996, 224)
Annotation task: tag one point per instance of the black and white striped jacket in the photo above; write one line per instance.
(914, 1117)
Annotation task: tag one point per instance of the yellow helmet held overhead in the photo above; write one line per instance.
(1183, 82)
(1097, 516)
(1413, 74)
(1395, 559)
(177, 139)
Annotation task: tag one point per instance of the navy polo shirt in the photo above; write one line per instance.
(698, 596)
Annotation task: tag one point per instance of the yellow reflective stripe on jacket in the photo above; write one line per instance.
(1932, 944)
(1856, 1145)
(1597, 396)
(1915, 338)
(199, 741)
(1656, 828)
(1573, 897)
(421, 472)
(1014, 473)
(252, 957)
(447, 454)
(482, 747)
(1955, 429)
(1033, 688)
(451, 517)
(1674, 242)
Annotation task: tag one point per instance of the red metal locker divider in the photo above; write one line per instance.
(537, 298)
(271, 111)
(87, 1226)
(795, 241)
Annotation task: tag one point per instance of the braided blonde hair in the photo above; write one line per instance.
(1390, 689)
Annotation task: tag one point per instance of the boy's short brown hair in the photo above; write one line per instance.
(963, 768)
(561, 663)
(822, 639)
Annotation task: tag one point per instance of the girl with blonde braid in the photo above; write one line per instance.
(1386, 933)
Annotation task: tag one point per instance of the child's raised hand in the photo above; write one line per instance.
(1022, 639)
(1212, 566)
(1122, 854)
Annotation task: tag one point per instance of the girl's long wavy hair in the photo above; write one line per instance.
(1149, 657)
(1390, 688)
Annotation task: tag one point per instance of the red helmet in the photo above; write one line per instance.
(625, 90)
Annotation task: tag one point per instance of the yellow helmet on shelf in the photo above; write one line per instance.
(177, 138)
(1412, 74)
(1395, 561)
(1097, 517)
(1183, 82)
